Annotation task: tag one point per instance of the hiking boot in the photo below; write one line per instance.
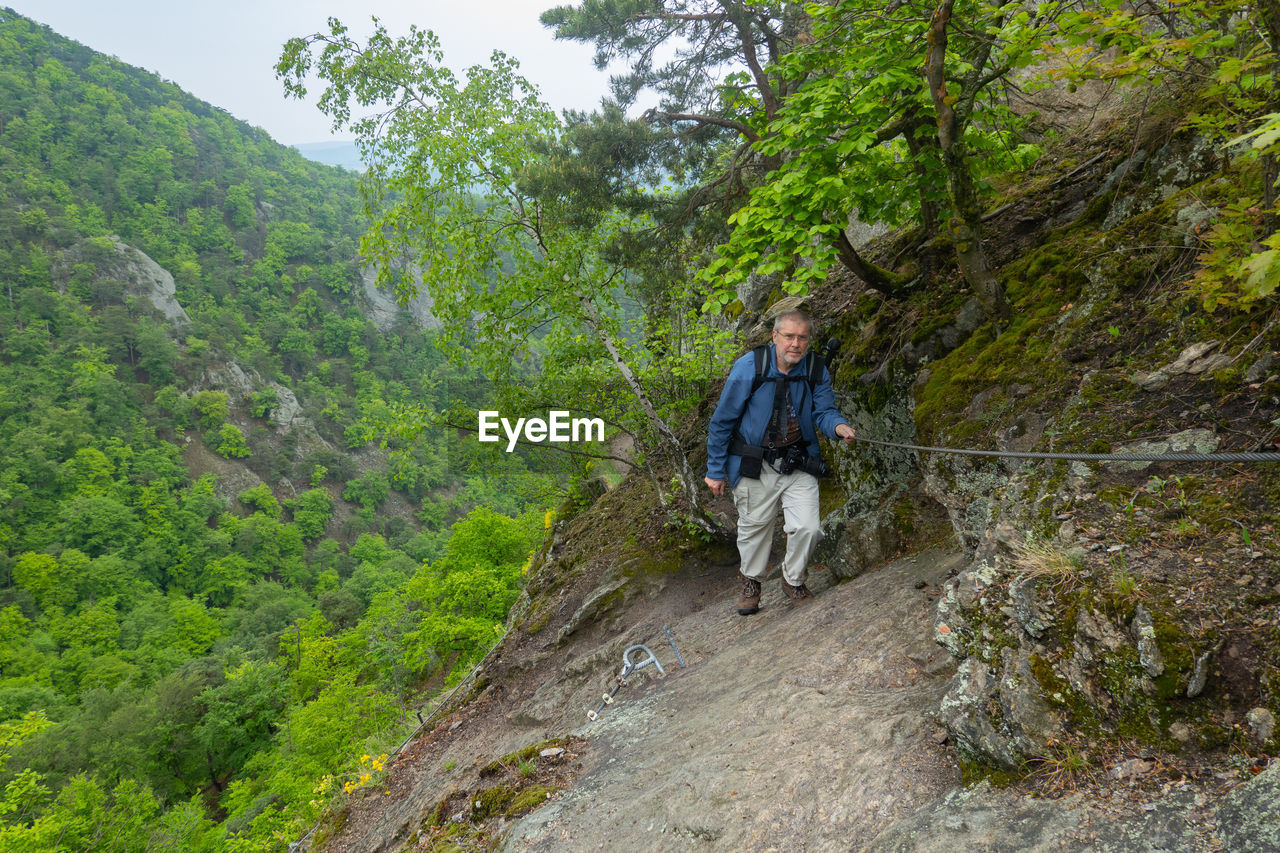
(797, 594)
(749, 597)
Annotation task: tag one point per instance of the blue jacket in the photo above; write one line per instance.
(817, 412)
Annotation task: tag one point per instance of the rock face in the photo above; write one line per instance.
(115, 260)
(1249, 817)
(286, 414)
(383, 308)
(1106, 647)
(153, 281)
(1180, 821)
(864, 530)
(993, 707)
(798, 728)
(802, 728)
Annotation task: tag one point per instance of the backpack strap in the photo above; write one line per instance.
(760, 355)
(815, 372)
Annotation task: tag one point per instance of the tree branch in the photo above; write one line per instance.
(688, 482)
(935, 75)
(767, 96)
(653, 113)
(883, 280)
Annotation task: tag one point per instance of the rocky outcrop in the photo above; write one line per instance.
(877, 489)
(384, 309)
(1102, 647)
(994, 708)
(1249, 817)
(1181, 820)
(799, 728)
(285, 413)
(1199, 359)
(1141, 182)
(111, 261)
(151, 280)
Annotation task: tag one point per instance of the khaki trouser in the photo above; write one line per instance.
(757, 502)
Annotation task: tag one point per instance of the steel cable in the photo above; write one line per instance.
(1088, 457)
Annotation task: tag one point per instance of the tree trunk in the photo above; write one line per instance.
(1270, 175)
(689, 482)
(886, 281)
(966, 232)
(966, 225)
(1269, 15)
(930, 214)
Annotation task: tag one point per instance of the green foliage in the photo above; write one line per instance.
(1206, 47)
(1238, 269)
(1242, 265)
(229, 442)
(311, 513)
(158, 654)
(86, 815)
(41, 575)
(456, 181)
(859, 135)
(261, 499)
(212, 406)
(368, 490)
(242, 713)
(464, 597)
(262, 402)
(487, 539)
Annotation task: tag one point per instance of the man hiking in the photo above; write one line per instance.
(763, 444)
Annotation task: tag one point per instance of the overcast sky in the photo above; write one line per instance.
(224, 51)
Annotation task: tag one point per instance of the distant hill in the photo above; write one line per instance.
(344, 154)
(191, 368)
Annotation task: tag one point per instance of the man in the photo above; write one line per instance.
(774, 427)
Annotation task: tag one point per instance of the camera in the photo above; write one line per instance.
(796, 458)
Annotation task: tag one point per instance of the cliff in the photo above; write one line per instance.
(1002, 655)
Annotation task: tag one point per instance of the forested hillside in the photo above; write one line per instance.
(1035, 227)
(244, 534)
(215, 592)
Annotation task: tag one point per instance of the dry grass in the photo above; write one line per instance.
(1067, 767)
(1046, 561)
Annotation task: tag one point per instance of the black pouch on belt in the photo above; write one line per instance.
(752, 457)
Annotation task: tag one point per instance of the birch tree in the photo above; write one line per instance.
(461, 204)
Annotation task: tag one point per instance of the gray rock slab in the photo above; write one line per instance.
(795, 729)
(816, 729)
(983, 819)
(1250, 815)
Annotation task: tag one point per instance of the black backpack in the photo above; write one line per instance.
(813, 376)
(753, 454)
